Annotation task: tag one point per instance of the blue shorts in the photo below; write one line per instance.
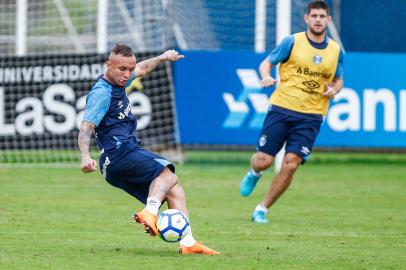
(133, 168)
(299, 134)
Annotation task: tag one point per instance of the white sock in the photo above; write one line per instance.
(188, 240)
(153, 205)
(261, 208)
(256, 173)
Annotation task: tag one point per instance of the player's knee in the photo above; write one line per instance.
(176, 192)
(169, 177)
(173, 179)
(261, 161)
(291, 163)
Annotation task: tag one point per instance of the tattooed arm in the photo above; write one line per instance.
(148, 65)
(84, 138)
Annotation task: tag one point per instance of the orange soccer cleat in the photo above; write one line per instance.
(197, 248)
(148, 220)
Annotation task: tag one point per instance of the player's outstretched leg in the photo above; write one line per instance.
(158, 190)
(279, 185)
(188, 245)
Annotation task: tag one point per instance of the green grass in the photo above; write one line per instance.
(343, 211)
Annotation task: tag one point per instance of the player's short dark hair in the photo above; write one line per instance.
(318, 4)
(122, 49)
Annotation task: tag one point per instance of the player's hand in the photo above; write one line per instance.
(268, 81)
(172, 55)
(329, 92)
(88, 165)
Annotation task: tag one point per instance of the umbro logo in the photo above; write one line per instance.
(311, 84)
(305, 150)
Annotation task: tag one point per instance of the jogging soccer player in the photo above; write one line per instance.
(124, 164)
(311, 67)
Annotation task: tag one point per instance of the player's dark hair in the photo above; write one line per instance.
(122, 49)
(318, 4)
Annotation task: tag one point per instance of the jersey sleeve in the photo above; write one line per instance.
(97, 105)
(340, 65)
(282, 51)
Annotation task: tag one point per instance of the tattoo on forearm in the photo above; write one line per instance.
(84, 137)
(150, 64)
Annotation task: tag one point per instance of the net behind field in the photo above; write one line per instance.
(61, 38)
(42, 102)
(62, 26)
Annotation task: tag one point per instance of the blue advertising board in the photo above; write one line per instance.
(219, 100)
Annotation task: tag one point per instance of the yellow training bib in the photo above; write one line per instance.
(303, 76)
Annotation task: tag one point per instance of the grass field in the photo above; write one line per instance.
(343, 211)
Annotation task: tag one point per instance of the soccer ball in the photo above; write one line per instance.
(172, 225)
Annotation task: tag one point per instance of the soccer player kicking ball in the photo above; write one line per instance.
(146, 176)
(311, 74)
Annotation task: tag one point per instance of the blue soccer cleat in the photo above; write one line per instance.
(259, 217)
(248, 184)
